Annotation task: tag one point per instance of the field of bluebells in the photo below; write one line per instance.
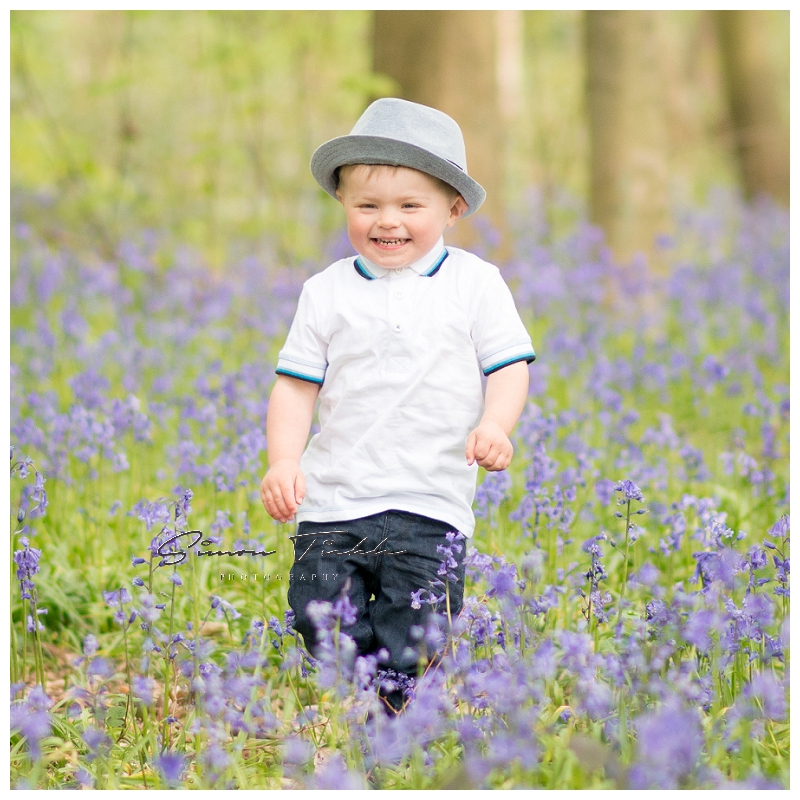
(627, 613)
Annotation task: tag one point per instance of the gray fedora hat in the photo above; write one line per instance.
(403, 134)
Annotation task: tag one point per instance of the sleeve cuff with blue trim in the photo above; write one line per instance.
(304, 370)
(497, 359)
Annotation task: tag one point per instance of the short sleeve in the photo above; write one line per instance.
(304, 355)
(499, 334)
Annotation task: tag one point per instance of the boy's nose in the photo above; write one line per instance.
(388, 218)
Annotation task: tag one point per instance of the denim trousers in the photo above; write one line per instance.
(378, 561)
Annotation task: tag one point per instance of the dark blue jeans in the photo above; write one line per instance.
(378, 562)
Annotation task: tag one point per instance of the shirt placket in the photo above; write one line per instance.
(398, 317)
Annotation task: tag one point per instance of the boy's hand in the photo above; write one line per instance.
(282, 490)
(489, 446)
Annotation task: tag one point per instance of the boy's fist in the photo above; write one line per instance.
(490, 447)
(282, 490)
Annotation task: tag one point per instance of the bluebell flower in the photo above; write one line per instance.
(344, 610)
(100, 667)
(417, 598)
(117, 598)
(215, 758)
(144, 689)
(596, 698)
(171, 766)
(629, 490)
(84, 778)
(669, 744)
(502, 581)
(31, 717)
(97, 742)
(492, 491)
(699, 628)
(647, 575)
(27, 561)
(767, 696)
(604, 490)
(297, 751)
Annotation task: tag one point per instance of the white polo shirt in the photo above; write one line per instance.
(398, 355)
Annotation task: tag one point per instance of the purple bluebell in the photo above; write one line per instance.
(491, 492)
(699, 629)
(144, 689)
(502, 581)
(151, 513)
(31, 717)
(629, 490)
(27, 561)
(117, 598)
(100, 667)
(767, 696)
(669, 742)
(84, 778)
(604, 490)
(97, 742)
(596, 698)
(171, 766)
(297, 751)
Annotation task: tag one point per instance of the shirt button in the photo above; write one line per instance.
(397, 327)
(398, 295)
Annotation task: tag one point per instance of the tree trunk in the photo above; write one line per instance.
(629, 181)
(448, 60)
(761, 133)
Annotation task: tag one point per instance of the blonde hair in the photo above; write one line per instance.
(449, 191)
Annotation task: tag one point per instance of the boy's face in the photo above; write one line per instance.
(395, 215)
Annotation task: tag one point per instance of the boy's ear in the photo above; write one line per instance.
(458, 209)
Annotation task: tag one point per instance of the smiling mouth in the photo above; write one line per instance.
(390, 242)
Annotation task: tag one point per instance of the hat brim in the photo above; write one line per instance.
(355, 149)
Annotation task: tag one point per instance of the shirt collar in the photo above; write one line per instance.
(426, 266)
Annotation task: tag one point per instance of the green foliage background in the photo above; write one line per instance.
(202, 123)
(198, 122)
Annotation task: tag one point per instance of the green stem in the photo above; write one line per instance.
(129, 703)
(167, 663)
(625, 563)
(24, 643)
(449, 617)
(38, 657)
(15, 668)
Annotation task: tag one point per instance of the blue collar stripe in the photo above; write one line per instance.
(437, 266)
(365, 273)
(362, 270)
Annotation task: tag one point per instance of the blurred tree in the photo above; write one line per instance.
(760, 129)
(449, 60)
(200, 124)
(193, 122)
(700, 151)
(629, 170)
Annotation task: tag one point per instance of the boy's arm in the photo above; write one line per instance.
(291, 409)
(506, 394)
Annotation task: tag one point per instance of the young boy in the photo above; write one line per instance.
(393, 342)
